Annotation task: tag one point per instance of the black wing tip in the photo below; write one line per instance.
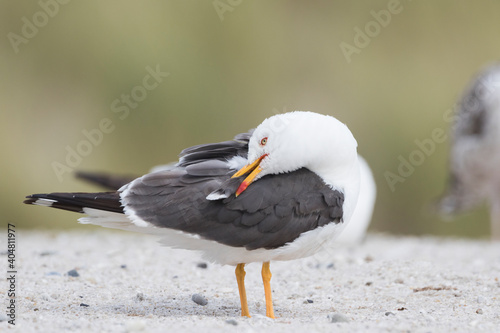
(32, 198)
(84, 175)
(29, 200)
(77, 201)
(90, 175)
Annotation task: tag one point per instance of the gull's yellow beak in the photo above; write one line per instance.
(254, 169)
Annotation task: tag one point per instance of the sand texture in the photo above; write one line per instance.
(111, 281)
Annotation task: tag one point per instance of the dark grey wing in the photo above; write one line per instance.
(271, 212)
(222, 151)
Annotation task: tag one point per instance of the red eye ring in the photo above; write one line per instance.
(263, 141)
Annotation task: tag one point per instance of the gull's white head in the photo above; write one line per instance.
(287, 142)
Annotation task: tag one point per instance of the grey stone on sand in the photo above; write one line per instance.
(202, 265)
(73, 273)
(199, 299)
(47, 253)
(140, 297)
(232, 322)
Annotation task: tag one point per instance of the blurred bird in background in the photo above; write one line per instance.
(475, 150)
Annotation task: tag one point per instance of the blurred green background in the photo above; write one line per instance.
(232, 63)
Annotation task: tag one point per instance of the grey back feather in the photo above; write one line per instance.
(271, 212)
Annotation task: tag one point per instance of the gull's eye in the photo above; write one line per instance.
(263, 141)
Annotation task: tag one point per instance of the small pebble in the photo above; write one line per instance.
(199, 299)
(85, 305)
(309, 301)
(232, 322)
(331, 266)
(140, 297)
(47, 253)
(202, 265)
(73, 273)
(337, 318)
(388, 313)
(123, 266)
(479, 311)
(369, 283)
(400, 281)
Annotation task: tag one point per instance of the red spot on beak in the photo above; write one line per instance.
(254, 169)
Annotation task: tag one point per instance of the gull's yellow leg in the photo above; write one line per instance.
(266, 278)
(240, 278)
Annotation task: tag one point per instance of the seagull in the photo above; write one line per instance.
(475, 150)
(281, 192)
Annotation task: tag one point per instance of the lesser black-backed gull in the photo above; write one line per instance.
(293, 193)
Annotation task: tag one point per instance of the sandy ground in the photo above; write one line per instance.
(128, 283)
